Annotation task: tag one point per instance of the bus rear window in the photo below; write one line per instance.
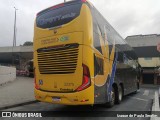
(59, 16)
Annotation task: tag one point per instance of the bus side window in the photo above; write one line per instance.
(97, 44)
(99, 31)
(99, 66)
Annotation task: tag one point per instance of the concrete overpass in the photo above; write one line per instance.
(15, 55)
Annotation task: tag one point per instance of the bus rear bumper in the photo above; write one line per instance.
(84, 97)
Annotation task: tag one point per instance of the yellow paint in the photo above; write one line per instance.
(100, 80)
(152, 62)
(80, 31)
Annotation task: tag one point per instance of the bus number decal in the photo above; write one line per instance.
(68, 84)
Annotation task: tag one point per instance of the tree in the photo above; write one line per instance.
(28, 43)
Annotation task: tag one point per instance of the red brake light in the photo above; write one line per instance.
(57, 6)
(84, 0)
(86, 79)
(85, 70)
(34, 76)
(51, 8)
(37, 87)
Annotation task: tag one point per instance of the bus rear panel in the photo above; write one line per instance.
(63, 74)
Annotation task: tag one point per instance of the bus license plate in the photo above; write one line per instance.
(56, 99)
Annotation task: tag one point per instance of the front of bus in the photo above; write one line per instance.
(63, 58)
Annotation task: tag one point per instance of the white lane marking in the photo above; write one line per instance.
(146, 92)
(155, 106)
(156, 101)
(139, 99)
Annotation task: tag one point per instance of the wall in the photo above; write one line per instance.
(7, 74)
(143, 40)
(154, 62)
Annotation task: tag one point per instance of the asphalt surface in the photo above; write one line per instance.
(19, 91)
(141, 101)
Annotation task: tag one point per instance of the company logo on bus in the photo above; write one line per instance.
(40, 82)
(54, 40)
(64, 38)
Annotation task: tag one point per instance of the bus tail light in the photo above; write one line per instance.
(51, 8)
(86, 79)
(36, 86)
(57, 6)
(84, 0)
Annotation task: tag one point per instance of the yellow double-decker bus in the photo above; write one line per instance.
(79, 59)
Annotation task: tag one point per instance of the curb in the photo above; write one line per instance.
(150, 86)
(19, 104)
(156, 106)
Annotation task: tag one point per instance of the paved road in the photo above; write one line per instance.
(19, 91)
(142, 101)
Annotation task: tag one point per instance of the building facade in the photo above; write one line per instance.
(149, 57)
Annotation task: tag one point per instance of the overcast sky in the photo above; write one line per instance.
(128, 17)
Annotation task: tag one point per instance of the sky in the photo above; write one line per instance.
(128, 17)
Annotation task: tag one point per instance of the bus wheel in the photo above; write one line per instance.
(119, 95)
(111, 103)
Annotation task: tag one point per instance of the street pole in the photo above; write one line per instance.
(64, 0)
(14, 35)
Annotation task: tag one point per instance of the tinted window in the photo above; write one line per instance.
(97, 43)
(56, 17)
(99, 66)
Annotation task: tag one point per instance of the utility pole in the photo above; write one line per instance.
(15, 28)
(14, 35)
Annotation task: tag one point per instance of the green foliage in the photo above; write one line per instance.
(28, 43)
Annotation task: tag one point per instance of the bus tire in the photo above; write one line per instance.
(111, 103)
(119, 95)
